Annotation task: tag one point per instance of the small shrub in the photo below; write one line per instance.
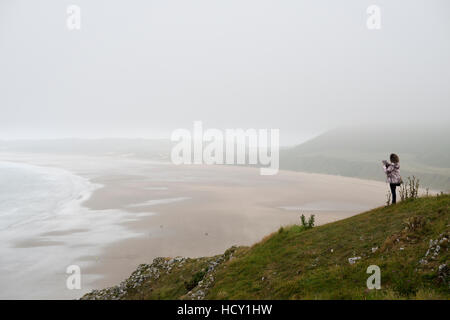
(196, 278)
(303, 220)
(230, 251)
(388, 198)
(311, 221)
(307, 224)
(413, 187)
(403, 190)
(410, 189)
(414, 223)
(390, 242)
(411, 232)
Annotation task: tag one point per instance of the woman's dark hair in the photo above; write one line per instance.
(394, 158)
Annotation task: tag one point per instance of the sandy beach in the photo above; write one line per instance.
(222, 207)
(165, 210)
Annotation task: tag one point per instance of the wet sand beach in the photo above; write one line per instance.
(138, 210)
(223, 206)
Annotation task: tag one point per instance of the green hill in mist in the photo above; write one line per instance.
(357, 152)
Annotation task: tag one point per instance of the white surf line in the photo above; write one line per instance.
(157, 201)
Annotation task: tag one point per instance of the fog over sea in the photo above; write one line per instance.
(44, 228)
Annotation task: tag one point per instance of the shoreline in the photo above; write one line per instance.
(145, 210)
(212, 218)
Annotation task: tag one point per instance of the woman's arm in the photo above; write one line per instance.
(388, 167)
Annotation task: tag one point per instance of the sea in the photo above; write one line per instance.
(44, 229)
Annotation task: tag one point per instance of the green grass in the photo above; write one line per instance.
(300, 263)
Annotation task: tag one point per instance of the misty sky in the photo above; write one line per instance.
(145, 68)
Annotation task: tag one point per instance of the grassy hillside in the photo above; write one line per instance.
(357, 152)
(408, 241)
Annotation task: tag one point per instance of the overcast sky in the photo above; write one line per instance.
(145, 68)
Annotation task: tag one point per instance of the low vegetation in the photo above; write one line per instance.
(407, 241)
(307, 224)
(409, 189)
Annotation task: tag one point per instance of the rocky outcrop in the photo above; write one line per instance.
(148, 274)
(144, 273)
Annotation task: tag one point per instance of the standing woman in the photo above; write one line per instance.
(392, 171)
